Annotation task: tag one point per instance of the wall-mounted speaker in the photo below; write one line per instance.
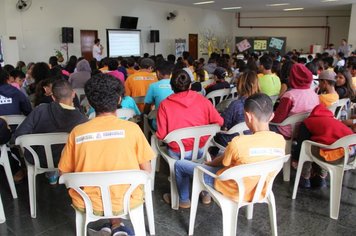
(67, 34)
(154, 36)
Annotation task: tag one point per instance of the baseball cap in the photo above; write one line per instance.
(327, 75)
(220, 72)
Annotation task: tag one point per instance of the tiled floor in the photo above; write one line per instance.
(307, 215)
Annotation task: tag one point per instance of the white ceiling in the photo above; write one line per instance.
(260, 5)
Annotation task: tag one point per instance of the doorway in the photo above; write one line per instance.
(193, 45)
(87, 38)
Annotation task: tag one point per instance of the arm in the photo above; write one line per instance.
(29, 124)
(25, 104)
(147, 108)
(216, 162)
(162, 125)
(149, 99)
(146, 166)
(282, 110)
(214, 116)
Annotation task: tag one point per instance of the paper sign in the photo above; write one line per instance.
(276, 43)
(243, 45)
(260, 45)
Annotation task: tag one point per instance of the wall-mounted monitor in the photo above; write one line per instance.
(128, 22)
(123, 42)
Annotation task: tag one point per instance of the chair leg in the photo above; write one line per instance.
(336, 177)
(80, 226)
(174, 190)
(8, 172)
(153, 173)
(196, 189)
(2, 213)
(149, 211)
(31, 176)
(249, 212)
(297, 176)
(138, 220)
(286, 170)
(229, 215)
(272, 213)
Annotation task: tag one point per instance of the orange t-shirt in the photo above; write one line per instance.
(328, 99)
(131, 71)
(137, 85)
(354, 82)
(105, 144)
(248, 149)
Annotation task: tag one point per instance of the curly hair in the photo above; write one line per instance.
(103, 92)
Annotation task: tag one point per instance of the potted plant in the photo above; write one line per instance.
(59, 55)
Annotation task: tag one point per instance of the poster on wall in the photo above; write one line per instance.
(243, 45)
(1, 54)
(181, 45)
(260, 45)
(276, 43)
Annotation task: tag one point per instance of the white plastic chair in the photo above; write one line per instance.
(46, 140)
(293, 121)
(104, 180)
(122, 113)
(2, 213)
(222, 106)
(336, 171)
(14, 119)
(4, 161)
(342, 104)
(83, 101)
(205, 83)
(147, 128)
(229, 207)
(177, 136)
(233, 93)
(239, 128)
(221, 94)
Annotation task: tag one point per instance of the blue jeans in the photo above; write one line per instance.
(184, 172)
(187, 155)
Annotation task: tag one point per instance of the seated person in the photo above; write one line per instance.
(160, 90)
(299, 99)
(270, 83)
(12, 100)
(57, 116)
(247, 85)
(258, 110)
(5, 131)
(327, 81)
(81, 75)
(185, 108)
(219, 81)
(343, 84)
(320, 127)
(113, 66)
(122, 146)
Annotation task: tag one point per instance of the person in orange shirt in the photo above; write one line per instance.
(106, 143)
(262, 145)
(131, 67)
(137, 84)
(327, 81)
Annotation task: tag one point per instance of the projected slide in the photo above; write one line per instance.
(123, 42)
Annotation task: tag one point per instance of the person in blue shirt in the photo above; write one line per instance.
(159, 90)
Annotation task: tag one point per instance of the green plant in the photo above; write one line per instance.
(58, 53)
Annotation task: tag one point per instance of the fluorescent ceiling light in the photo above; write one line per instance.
(294, 9)
(202, 3)
(231, 8)
(277, 4)
(329, 0)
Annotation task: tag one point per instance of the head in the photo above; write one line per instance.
(113, 64)
(18, 76)
(327, 79)
(62, 92)
(312, 67)
(190, 61)
(4, 77)
(247, 84)
(43, 88)
(180, 81)
(258, 110)
(146, 55)
(53, 61)
(104, 93)
(171, 58)
(97, 41)
(220, 74)
(8, 68)
(344, 79)
(40, 71)
(300, 77)
(340, 55)
(83, 65)
(328, 62)
(343, 42)
(147, 64)
(265, 63)
(164, 69)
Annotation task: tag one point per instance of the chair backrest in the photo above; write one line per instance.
(274, 98)
(14, 119)
(263, 170)
(342, 104)
(233, 92)
(196, 133)
(80, 93)
(45, 140)
(207, 82)
(222, 106)
(104, 180)
(293, 121)
(220, 95)
(239, 128)
(139, 99)
(147, 127)
(122, 113)
(345, 143)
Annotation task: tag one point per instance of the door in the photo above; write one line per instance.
(193, 45)
(87, 38)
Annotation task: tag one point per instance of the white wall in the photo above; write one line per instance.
(296, 38)
(38, 30)
(352, 32)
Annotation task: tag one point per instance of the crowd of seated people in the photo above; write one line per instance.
(175, 87)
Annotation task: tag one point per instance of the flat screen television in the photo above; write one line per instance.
(128, 22)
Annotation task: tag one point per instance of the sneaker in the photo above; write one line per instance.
(122, 230)
(205, 198)
(304, 183)
(167, 199)
(318, 182)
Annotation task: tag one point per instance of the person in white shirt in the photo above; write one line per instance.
(344, 48)
(97, 50)
(331, 50)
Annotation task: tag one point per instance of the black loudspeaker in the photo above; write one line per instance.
(67, 34)
(154, 36)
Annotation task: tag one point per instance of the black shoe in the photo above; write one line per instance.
(304, 183)
(318, 182)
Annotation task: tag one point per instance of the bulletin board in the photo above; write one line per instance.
(251, 44)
